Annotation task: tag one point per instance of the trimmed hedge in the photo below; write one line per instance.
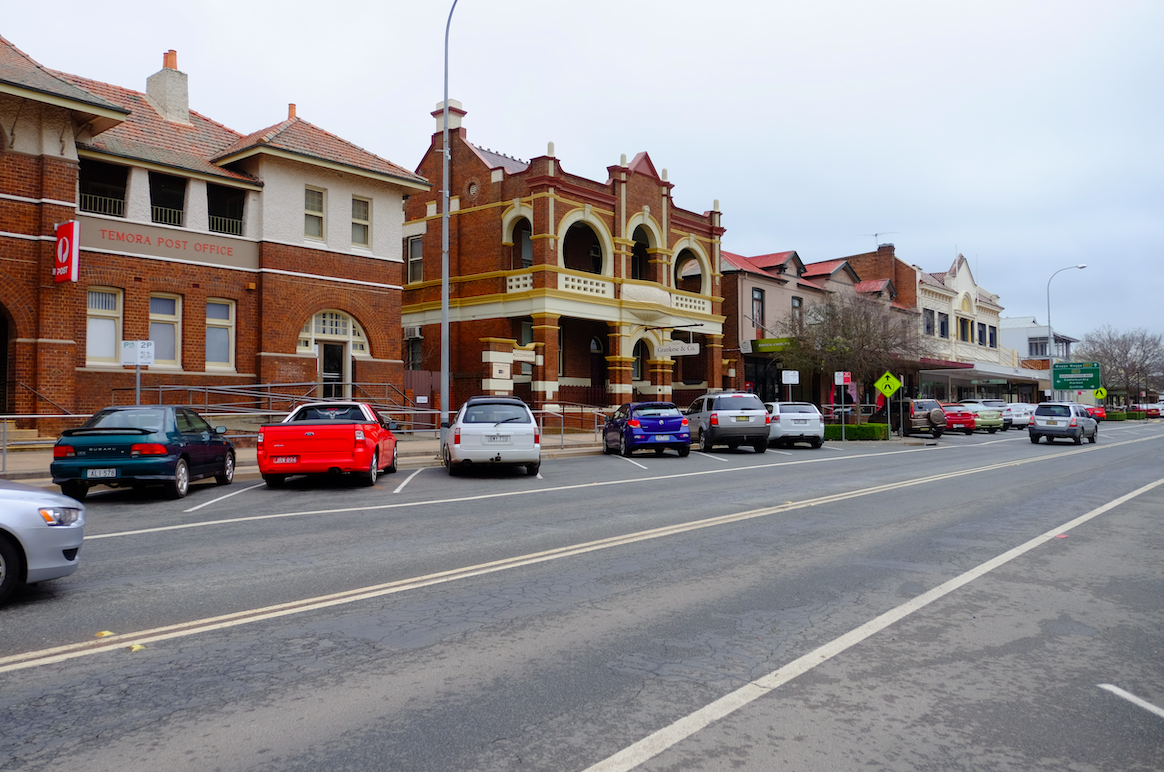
(857, 432)
(1113, 416)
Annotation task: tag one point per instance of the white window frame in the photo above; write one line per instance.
(104, 313)
(229, 325)
(321, 215)
(416, 260)
(174, 320)
(366, 224)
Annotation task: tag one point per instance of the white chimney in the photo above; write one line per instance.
(167, 90)
(455, 115)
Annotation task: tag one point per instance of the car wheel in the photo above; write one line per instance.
(532, 469)
(180, 485)
(968, 432)
(454, 470)
(936, 432)
(75, 489)
(1034, 439)
(605, 445)
(373, 469)
(1078, 438)
(905, 431)
(704, 443)
(227, 475)
(733, 446)
(1094, 436)
(684, 451)
(992, 430)
(10, 568)
(817, 443)
(623, 448)
(395, 459)
(274, 480)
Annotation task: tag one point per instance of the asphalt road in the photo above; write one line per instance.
(979, 603)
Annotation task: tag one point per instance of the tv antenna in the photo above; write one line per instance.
(876, 239)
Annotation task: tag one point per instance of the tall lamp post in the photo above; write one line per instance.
(444, 413)
(1050, 334)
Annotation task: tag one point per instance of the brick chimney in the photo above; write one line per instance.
(290, 111)
(167, 90)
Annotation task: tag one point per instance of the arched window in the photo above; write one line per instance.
(332, 325)
(640, 265)
(688, 272)
(582, 249)
(639, 368)
(522, 245)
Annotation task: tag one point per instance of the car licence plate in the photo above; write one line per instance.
(799, 421)
(662, 438)
(285, 460)
(97, 473)
(743, 418)
(1051, 423)
(496, 438)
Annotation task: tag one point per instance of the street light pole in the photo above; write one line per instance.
(1050, 333)
(444, 411)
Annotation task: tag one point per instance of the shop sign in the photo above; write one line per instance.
(677, 349)
(770, 345)
(68, 263)
(524, 355)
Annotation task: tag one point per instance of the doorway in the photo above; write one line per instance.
(331, 369)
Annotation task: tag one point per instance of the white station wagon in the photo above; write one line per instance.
(493, 431)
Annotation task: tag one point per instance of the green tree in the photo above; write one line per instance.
(1129, 362)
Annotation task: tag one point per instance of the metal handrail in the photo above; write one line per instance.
(46, 399)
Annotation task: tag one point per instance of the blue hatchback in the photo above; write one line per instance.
(641, 425)
(137, 445)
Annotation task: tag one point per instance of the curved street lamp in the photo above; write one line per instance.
(444, 413)
(1050, 334)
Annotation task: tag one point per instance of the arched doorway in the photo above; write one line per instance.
(582, 249)
(688, 272)
(335, 338)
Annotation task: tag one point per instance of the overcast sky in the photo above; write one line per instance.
(1028, 136)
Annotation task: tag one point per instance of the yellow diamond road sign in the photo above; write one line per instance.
(887, 384)
(1100, 393)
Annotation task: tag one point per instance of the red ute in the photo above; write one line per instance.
(327, 437)
(958, 418)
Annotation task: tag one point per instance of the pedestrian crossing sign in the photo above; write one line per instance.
(887, 384)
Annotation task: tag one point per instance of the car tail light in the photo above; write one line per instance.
(634, 423)
(714, 419)
(1074, 421)
(63, 451)
(148, 449)
(457, 436)
(260, 440)
(359, 435)
(767, 418)
(537, 436)
(684, 422)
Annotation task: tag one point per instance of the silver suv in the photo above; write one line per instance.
(1065, 420)
(731, 418)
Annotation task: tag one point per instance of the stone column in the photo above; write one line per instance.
(497, 366)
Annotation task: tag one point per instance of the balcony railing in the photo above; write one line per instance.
(167, 216)
(226, 225)
(115, 207)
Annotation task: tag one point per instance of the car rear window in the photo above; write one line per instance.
(491, 413)
(1053, 410)
(926, 404)
(653, 411)
(152, 420)
(788, 408)
(739, 402)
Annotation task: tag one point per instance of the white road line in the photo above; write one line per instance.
(636, 463)
(1133, 699)
(781, 452)
(635, 481)
(407, 480)
(665, 738)
(222, 498)
(708, 455)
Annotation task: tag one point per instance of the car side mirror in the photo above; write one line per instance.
(220, 430)
(391, 426)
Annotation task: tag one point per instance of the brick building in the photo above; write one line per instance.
(265, 258)
(562, 288)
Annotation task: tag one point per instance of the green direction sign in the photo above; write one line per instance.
(1075, 375)
(887, 384)
(770, 345)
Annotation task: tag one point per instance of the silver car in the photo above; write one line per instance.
(731, 418)
(1063, 420)
(792, 422)
(40, 535)
(493, 431)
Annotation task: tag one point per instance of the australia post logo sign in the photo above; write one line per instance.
(67, 264)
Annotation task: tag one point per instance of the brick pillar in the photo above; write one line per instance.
(497, 366)
(619, 365)
(544, 386)
(661, 374)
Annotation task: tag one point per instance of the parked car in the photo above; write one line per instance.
(912, 415)
(1098, 412)
(959, 418)
(40, 535)
(327, 438)
(139, 445)
(653, 425)
(985, 417)
(493, 431)
(731, 418)
(792, 422)
(1004, 408)
(1063, 420)
(1020, 414)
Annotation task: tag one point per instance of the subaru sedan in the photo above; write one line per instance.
(40, 535)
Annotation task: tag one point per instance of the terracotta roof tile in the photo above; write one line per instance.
(299, 137)
(18, 69)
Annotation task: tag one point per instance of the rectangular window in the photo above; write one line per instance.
(102, 187)
(981, 334)
(313, 216)
(415, 259)
(943, 325)
(167, 198)
(224, 205)
(798, 311)
(1037, 347)
(219, 333)
(361, 222)
(413, 356)
(758, 312)
(964, 330)
(166, 328)
(103, 336)
(994, 337)
(928, 325)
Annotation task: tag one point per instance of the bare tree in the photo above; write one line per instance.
(1129, 362)
(849, 332)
